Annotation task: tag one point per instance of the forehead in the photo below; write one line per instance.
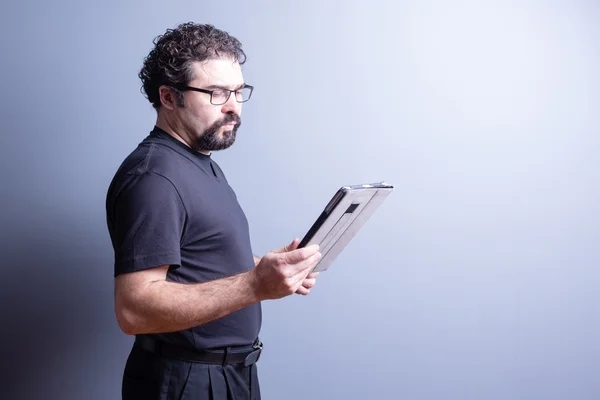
(221, 72)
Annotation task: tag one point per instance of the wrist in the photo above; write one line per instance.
(252, 283)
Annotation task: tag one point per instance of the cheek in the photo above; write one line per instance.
(212, 116)
(195, 116)
(207, 114)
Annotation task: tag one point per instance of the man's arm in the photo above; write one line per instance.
(256, 260)
(145, 302)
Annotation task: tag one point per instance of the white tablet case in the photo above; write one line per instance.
(346, 213)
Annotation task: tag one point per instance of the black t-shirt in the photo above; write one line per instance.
(170, 205)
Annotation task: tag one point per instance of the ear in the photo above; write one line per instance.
(167, 97)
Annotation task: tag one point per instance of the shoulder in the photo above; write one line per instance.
(148, 171)
(151, 158)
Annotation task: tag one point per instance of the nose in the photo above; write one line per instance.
(232, 106)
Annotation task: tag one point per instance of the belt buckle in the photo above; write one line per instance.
(254, 356)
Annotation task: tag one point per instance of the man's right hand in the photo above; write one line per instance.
(281, 272)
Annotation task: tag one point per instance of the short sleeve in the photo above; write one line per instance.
(148, 221)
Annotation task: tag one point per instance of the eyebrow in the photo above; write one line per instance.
(225, 87)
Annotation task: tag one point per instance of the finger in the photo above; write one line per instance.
(304, 274)
(300, 271)
(289, 247)
(309, 283)
(303, 291)
(312, 275)
(312, 262)
(293, 245)
(300, 280)
(298, 255)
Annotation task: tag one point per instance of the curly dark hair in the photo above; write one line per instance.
(170, 62)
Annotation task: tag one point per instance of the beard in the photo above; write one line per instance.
(211, 140)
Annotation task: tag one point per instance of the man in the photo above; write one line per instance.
(187, 284)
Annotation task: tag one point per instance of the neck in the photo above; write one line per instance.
(172, 127)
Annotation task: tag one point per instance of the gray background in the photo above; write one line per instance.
(477, 279)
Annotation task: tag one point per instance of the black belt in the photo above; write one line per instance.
(247, 355)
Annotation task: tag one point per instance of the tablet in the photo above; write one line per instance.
(345, 214)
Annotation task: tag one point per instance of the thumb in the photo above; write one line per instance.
(289, 247)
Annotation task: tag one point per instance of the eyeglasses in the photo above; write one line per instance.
(221, 96)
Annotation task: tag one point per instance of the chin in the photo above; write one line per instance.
(226, 142)
(219, 140)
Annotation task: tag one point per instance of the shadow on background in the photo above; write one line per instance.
(60, 336)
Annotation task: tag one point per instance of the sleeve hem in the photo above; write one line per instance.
(146, 262)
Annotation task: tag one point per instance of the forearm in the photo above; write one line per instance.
(168, 306)
(256, 260)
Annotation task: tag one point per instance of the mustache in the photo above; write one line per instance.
(230, 118)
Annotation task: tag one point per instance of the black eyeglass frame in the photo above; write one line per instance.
(195, 89)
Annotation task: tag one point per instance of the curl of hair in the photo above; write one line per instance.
(170, 61)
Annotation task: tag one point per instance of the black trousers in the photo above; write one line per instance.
(150, 377)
